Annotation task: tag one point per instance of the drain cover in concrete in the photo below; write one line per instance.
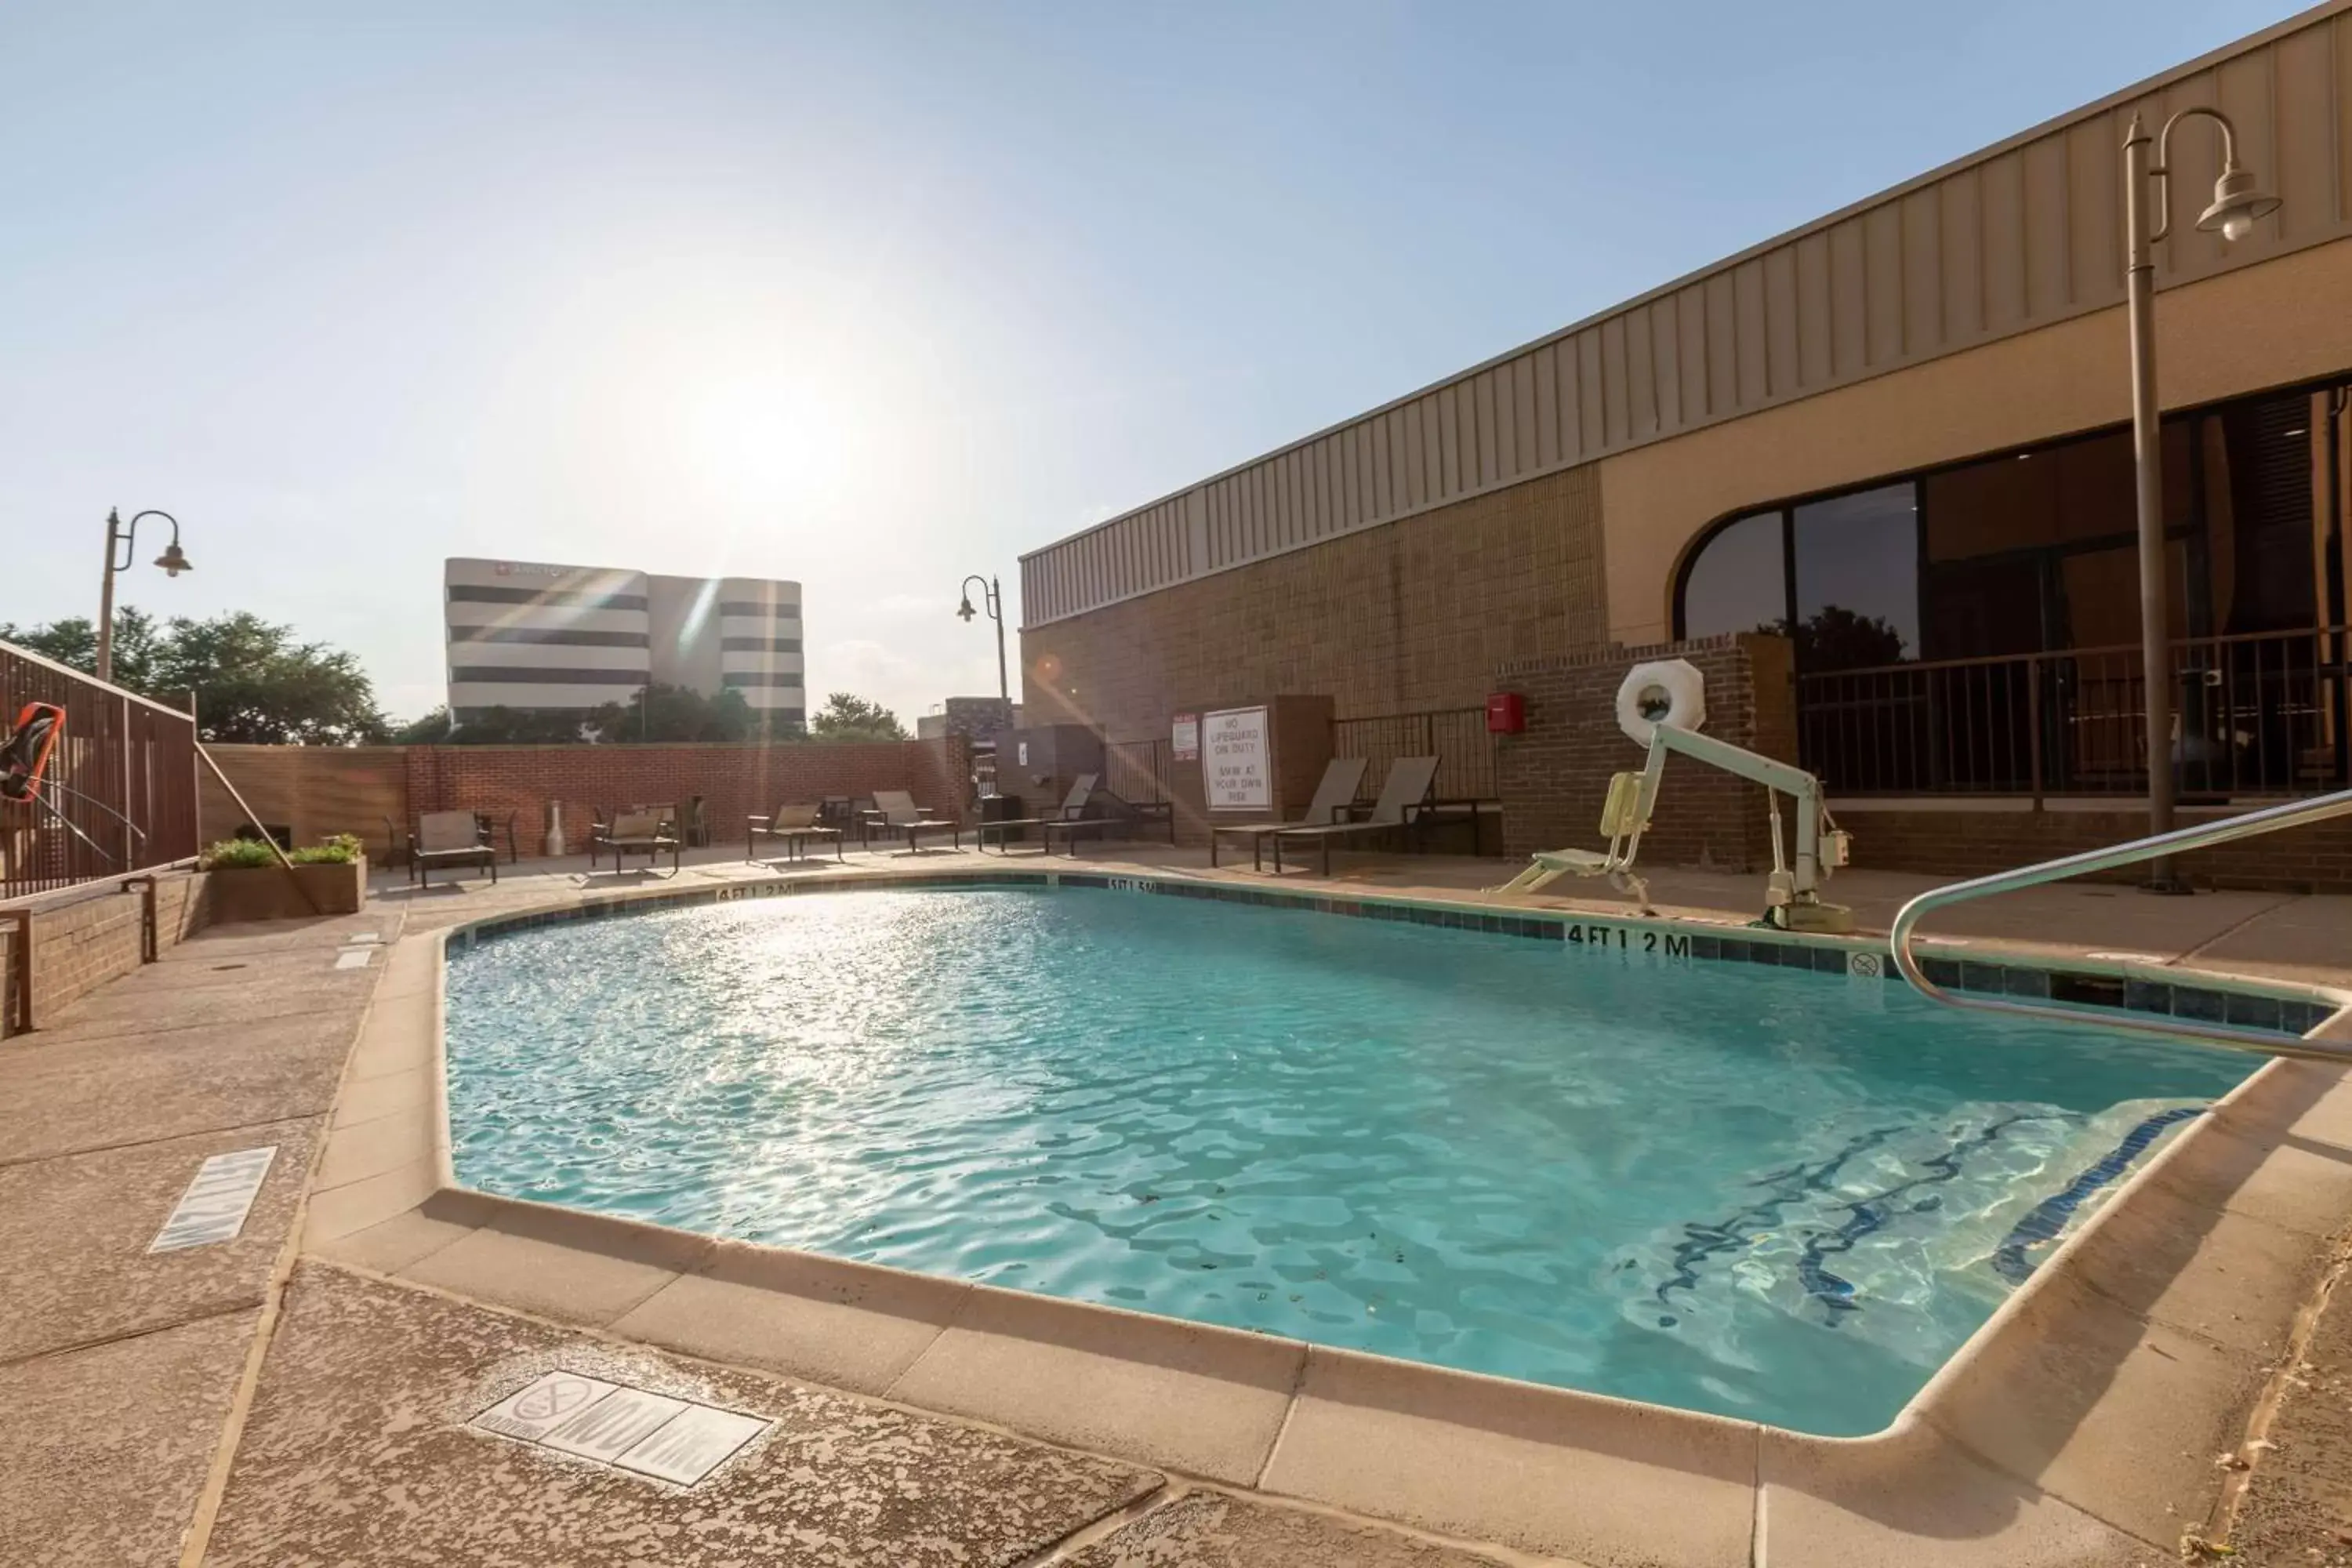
(354, 957)
(651, 1433)
(213, 1207)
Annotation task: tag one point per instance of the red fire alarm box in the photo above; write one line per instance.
(1507, 713)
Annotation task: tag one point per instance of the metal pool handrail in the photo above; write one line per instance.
(2270, 819)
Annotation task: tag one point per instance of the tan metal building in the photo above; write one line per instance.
(1824, 433)
(1557, 497)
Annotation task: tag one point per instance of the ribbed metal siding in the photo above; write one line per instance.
(2020, 236)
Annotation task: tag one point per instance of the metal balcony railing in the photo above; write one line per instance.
(2271, 820)
(2261, 714)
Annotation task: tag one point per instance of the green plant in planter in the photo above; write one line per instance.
(341, 850)
(251, 854)
(239, 854)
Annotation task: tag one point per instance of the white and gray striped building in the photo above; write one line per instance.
(528, 636)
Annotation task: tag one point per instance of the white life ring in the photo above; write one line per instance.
(1665, 691)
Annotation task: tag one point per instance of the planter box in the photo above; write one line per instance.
(267, 893)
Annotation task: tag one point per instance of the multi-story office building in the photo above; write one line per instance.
(528, 636)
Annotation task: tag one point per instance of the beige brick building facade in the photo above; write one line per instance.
(1414, 616)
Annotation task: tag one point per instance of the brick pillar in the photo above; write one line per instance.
(1554, 777)
(423, 783)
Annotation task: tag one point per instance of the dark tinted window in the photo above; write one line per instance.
(1738, 582)
(476, 594)
(1858, 579)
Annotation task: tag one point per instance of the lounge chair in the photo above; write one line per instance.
(645, 833)
(1073, 804)
(795, 825)
(1341, 775)
(1105, 811)
(448, 839)
(1624, 817)
(1402, 794)
(895, 811)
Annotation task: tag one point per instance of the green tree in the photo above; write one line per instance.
(252, 680)
(254, 683)
(660, 713)
(138, 638)
(430, 729)
(502, 726)
(845, 717)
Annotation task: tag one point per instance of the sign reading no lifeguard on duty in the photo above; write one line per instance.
(1234, 766)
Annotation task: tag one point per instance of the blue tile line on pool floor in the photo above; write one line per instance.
(2050, 1215)
(1870, 1215)
(1702, 1241)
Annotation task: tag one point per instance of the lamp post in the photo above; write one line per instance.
(120, 547)
(995, 602)
(2238, 201)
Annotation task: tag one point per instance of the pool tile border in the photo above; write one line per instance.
(2126, 985)
(1993, 1479)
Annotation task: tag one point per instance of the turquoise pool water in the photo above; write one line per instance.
(1782, 1196)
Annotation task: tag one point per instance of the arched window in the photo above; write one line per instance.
(1841, 575)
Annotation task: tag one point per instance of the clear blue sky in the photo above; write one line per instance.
(870, 296)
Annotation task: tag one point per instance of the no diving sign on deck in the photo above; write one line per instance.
(213, 1207)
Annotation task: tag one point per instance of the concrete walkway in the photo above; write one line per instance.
(119, 1368)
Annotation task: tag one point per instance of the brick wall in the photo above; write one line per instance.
(1405, 616)
(1975, 843)
(1555, 775)
(735, 781)
(81, 940)
(317, 791)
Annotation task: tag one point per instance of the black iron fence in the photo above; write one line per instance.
(2263, 714)
(119, 791)
(1456, 737)
(1136, 771)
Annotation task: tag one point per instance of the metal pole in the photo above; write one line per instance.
(996, 613)
(106, 602)
(276, 848)
(2148, 461)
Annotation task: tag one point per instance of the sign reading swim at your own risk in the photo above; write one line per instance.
(1235, 771)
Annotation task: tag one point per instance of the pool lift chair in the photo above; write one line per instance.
(1661, 705)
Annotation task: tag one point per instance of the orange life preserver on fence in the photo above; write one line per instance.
(24, 757)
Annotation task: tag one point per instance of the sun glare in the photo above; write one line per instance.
(774, 440)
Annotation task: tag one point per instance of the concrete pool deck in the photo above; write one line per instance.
(302, 1393)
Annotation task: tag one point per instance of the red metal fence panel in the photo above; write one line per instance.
(118, 793)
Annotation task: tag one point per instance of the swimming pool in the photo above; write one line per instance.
(1782, 1196)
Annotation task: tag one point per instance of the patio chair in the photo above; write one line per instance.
(1082, 788)
(448, 839)
(895, 811)
(1402, 794)
(1624, 817)
(1104, 811)
(645, 833)
(795, 825)
(1332, 797)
